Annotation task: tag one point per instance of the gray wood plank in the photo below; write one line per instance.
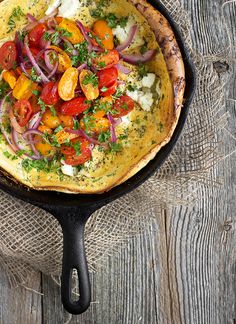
(18, 305)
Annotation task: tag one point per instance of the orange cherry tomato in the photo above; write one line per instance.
(71, 157)
(22, 111)
(66, 120)
(8, 55)
(123, 106)
(23, 88)
(97, 123)
(10, 78)
(68, 83)
(104, 32)
(63, 57)
(36, 34)
(43, 147)
(107, 60)
(89, 84)
(50, 120)
(45, 129)
(75, 106)
(50, 95)
(75, 33)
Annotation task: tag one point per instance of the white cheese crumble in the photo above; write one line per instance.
(68, 170)
(67, 8)
(148, 80)
(133, 94)
(122, 33)
(145, 100)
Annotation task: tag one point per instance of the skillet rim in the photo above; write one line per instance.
(58, 199)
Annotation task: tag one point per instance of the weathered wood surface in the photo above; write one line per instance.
(183, 269)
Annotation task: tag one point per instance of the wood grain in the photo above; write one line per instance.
(183, 269)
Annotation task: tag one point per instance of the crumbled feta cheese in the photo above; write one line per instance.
(67, 8)
(133, 94)
(125, 119)
(68, 169)
(145, 99)
(148, 80)
(122, 34)
(52, 6)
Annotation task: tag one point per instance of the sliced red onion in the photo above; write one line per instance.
(136, 59)
(19, 48)
(31, 25)
(34, 63)
(97, 49)
(82, 67)
(32, 131)
(48, 63)
(86, 36)
(82, 133)
(35, 120)
(54, 70)
(46, 43)
(16, 141)
(112, 128)
(129, 39)
(52, 23)
(51, 15)
(117, 121)
(65, 40)
(14, 122)
(31, 18)
(123, 69)
(91, 146)
(22, 66)
(119, 82)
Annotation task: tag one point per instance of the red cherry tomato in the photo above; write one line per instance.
(70, 153)
(50, 94)
(110, 91)
(106, 60)
(123, 106)
(107, 77)
(22, 111)
(75, 106)
(8, 55)
(36, 34)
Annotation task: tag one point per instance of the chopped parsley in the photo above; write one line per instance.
(143, 48)
(118, 93)
(112, 20)
(42, 105)
(115, 147)
(132, 87)
(36, 92)
(34, 76)
(16, 15)
(4, 88)
(41, 165)
(91, 79)
(82, 51)
(53, 110)
(77, 148)
(10, 156)
(76, 124)
(104, 137)
(75, 59)
(142, 70)
(104, 89)
(101, 64)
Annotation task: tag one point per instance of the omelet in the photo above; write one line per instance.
(155, 86)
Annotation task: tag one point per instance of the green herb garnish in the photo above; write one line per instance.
(16, 15)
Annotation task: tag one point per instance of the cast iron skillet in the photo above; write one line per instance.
(72, 211)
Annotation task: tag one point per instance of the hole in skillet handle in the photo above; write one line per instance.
(72, 221)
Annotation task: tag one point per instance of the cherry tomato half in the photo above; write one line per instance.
(123, 106)
(8, 55)
(50, 94)
(22, 111)
(70, 152)
(106, 60)
(75, 106)
(107, 77)
(110, 91)
(36, 34)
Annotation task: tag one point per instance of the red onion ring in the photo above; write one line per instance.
(86, 36)
(31, 18)
(52, 23)
(83, 134)
(123, 69)
(51, 15)
(112, 128)
(34, 63)
(131, 35)
(82, 67)
(14, 122)
(35, 120)
(136, 59)
(74, 51)
(16, 141)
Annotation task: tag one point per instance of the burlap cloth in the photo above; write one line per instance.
(31, 239)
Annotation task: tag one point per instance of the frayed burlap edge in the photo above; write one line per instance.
(31, 238)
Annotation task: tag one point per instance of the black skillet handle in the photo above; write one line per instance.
(74, 258)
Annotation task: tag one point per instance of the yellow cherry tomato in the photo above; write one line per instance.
(64, 59)
(68, 83)
(98, 123)
(50, 120)
(75, 33)
(10, 78)
(44, 148)
(66, 120)
(89, 84)
(45, 129)
(23, 88)
(104, 32)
